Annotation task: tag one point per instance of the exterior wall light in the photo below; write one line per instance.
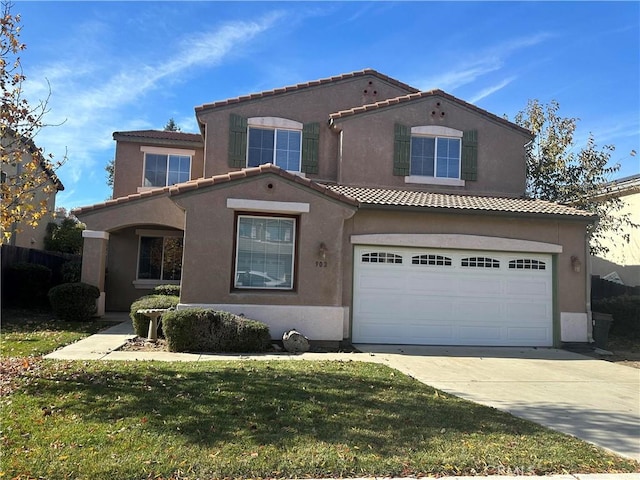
(576, 264)
(322, 251)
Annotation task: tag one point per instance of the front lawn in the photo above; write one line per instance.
(246, 418)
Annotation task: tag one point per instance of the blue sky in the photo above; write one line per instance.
(116, 66)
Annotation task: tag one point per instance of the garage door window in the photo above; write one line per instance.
(381, 257)
(431, 260)
(527, 264)
(480, 262)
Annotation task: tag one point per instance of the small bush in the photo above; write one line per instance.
(140, 321)
(28, 284)
(71, 271)
(167, 290)
(201, 330)
(626, 313)
(75, 302)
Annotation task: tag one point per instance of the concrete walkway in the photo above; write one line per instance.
(594, 400)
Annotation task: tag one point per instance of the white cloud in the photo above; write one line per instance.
(491, 90)
(91, 99)
(484, 62)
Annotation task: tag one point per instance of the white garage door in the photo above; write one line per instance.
(451, 297)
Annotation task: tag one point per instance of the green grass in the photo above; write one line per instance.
(27, 333)
(88, 420)
(264, 419)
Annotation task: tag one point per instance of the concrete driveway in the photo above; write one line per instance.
(592, 399)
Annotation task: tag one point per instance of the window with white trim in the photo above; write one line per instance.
(160, 257)
(381, 257)
(279, 146)
(164, 167)
(265, 252)
(437, 157)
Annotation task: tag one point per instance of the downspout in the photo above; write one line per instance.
(588, 271)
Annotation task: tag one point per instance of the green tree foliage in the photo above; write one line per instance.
(65, 237)
(559, 171)
(172, 126)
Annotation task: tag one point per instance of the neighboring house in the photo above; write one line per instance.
(350, 208)
(621, 263)
(22, 234)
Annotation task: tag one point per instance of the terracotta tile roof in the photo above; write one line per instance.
(300, 86)
(181, 188)
(411, 198)
(159, 135)
(419, 95)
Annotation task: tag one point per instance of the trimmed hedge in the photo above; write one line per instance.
(203, 330)
(626, 313)
(141, 322)
(28, 284)
(74, 302)
(167, 290)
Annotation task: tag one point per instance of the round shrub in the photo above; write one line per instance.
(167, 290)
(140, 321)
(204, 330)
(28, 284)
(74, 302)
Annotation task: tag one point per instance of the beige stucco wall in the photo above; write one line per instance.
(25, 235)
(571, 235)
(129, 165)
(368, 147)
(121, 222)
(208, 267)
(305, 106)
(621, 252)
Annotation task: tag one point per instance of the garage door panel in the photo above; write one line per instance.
(529, 288)
(473, 311)
(422, 303)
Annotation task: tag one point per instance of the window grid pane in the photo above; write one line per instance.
(527, 264)
(155, 170)
(150, 260)
(422, 156)
(448, 158)
(288, 147)
(179, 169)
(260, 146)
(381, 257)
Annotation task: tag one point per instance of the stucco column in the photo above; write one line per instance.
(94, 261)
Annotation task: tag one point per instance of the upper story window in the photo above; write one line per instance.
(280, 146)
(164, 166)
(288, 144)
(433, 154)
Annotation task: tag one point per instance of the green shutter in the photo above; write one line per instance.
(470, 155)
(237, 141)
(310, 142)
(402, 150)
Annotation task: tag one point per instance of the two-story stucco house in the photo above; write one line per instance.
(350, 208)
(20, 157)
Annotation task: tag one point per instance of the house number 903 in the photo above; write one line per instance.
(321, 264)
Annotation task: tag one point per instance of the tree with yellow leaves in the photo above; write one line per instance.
(28, 176)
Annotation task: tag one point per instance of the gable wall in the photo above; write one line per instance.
(368, 147)
(208, 267)
(129, 166)
(306, 106)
